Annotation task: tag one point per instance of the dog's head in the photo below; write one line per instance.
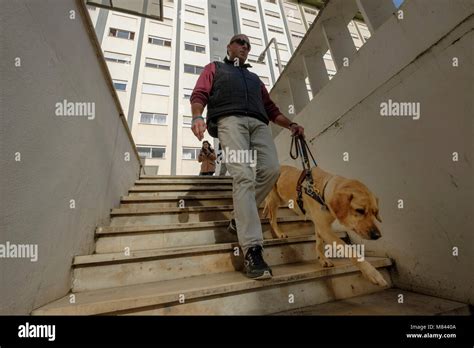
(356, 208)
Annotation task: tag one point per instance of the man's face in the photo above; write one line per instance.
(239, 47)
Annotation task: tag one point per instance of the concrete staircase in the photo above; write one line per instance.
(157, 257)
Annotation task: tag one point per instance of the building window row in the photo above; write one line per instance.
(194, 47)
(122, 34)
(152, 118)
(152, 151)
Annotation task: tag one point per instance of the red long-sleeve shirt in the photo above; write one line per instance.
(203, 87)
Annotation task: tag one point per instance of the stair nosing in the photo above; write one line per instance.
(174, 210)
(105, 230)
(170, 297)
(139, 255)
(146, 199)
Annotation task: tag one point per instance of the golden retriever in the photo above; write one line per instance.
(348, 201)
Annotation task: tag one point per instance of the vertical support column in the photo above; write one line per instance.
(375, 12)
(283, 99)
(317, 72)
(299, 91)
(338, 39)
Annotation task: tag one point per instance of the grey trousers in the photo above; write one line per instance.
(251, 159)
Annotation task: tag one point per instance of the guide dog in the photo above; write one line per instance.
(348, 201)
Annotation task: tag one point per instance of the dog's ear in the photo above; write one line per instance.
(340, 204)
(377, 213)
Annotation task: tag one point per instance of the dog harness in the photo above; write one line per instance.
(301, 148)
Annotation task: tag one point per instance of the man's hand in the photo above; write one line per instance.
(296, 130)
(199, 127)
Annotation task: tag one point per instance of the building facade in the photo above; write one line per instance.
(155, 64)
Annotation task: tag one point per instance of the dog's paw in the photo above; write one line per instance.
(375, 277)
(326, 262)
(281, 236)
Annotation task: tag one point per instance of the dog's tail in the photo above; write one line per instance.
(265, 208)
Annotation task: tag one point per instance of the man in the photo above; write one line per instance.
(239, 110)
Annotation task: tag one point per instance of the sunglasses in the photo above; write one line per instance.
(242, 42)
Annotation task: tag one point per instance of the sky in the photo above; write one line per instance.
(397, 3)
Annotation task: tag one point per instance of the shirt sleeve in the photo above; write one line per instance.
(272, 110)
(203, 87)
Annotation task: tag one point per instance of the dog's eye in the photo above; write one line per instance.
(360, 211)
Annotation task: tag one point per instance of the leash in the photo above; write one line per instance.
(298, 143)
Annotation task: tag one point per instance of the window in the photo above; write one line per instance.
(255, 40)
(310, 11)
(120, 85)
(187, 93)
(250, 23)
(194, 9)
(215, 38)
(155, 40)
(214, 21)
(271, 1)
(187, 120)
(282, 46)
(194, 47)
(275, 29)
(294, 19)
(117, 57)
(248, 7)
(91, 8)
(265, 80)
(157, 64)
(151, 151)
(191, 153)
(194, 27)
(152, 118)
(193, 69)
(213, 6)
(254, 59)
(149, 88)
(218, 58)
(123, 34)
(290, 6)
(272, 13)
(297, 35)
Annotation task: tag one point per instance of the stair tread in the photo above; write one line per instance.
(152, 294)
(152, 188)
(186, 225)
(145, 210)
(384, 303)
(176, 251)
(157, 177)
(173, 197)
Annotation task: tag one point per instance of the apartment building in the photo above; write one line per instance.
(155, 64)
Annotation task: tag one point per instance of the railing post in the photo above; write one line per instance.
(375, 12)
(316, 70)
(339, 40)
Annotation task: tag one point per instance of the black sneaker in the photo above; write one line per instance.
(255, 266)
(232, 228)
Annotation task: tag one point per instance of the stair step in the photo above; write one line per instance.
(226, 293)
(173, 190)
(181, 177)
(115, 238)
(183, 187)
(176, 200)
(100, 271)
(197, 181)
(386, 303)
(171, 215)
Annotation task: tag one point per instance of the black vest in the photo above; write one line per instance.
(235, 91)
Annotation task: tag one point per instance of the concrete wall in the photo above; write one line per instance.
(62, 158)
(408, 60)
